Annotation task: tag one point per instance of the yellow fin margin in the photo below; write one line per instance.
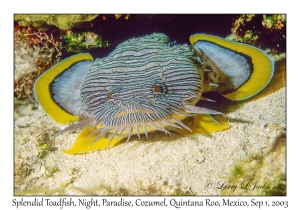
(83, 145)
(43, 94)
(263, 66)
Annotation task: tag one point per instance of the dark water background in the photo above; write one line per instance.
(178, 27)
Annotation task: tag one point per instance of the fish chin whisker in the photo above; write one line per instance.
(200, 110)
(94, 132)
(82, 124)
(113, 135)
(184, 114)
(171, 124)
(129, 132)
(145, 129)
(158, 128)
(122, 130)
(180, 123)
(137, 130)
(104, 131)
(163, 127)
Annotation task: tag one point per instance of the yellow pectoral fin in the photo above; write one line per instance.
(261, 65)
(83, 145)
(43, 92)
(204, 123)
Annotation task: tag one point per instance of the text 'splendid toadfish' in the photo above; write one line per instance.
(148, 84)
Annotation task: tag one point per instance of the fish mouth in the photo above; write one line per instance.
(131, 112)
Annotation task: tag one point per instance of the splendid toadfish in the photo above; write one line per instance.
(149, 84)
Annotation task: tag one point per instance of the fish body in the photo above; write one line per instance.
(148, 84)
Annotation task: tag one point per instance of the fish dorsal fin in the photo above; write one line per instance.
(58, 89)
(241, 70)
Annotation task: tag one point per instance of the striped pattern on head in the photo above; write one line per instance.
(144, 80)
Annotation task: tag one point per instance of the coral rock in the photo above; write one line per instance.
(64, 22)
(35, 51)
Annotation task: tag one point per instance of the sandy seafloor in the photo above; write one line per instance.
(161, 165)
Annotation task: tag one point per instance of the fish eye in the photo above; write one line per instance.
(157, 88)
(160, 89)
(109, 95)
